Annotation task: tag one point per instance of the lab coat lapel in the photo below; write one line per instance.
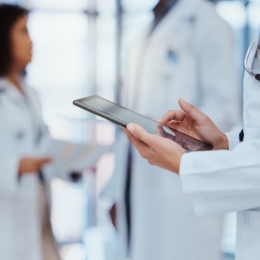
(35, 112)
(174, 21)
(251, 101)
(32, 113)
(10, 91)
(13, 93)
(253, 51)
(134, 64)
(185, 10)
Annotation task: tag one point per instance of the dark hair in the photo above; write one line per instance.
(9, 14)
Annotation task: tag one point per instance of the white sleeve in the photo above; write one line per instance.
(233, 139)
(218, 77)
(223, 181)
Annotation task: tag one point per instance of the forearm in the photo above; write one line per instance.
(217, 180)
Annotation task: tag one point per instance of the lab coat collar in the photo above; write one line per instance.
(162, 8)
(184, 10)
(253, 51)
(8, 88)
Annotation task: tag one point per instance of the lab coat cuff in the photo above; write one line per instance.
(233, 139)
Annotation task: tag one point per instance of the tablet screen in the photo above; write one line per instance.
(121, 113)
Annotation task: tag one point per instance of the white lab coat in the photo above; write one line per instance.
(226, 181)
(20, 223)
(200, 68)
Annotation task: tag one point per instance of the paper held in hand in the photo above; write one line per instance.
(73, 156)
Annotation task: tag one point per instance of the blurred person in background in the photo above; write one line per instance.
(26, 232)
(24, 221)
(186, 52)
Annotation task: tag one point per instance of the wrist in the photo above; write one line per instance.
(177, 163)
(222, 143)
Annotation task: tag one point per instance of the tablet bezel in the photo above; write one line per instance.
(80, 103)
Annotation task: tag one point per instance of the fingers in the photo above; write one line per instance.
(135, 141)
(44, 160)
(138, 144)
(138, 132)
(195, 113)
(41, 161)
(36, 164)
(162, 133)
(176, 115)
(179, 115)
(30, 165)
(174, 125)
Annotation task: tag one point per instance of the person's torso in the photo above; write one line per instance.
(21, 117)
(163, 68)
(158, 62)
(21, 121)
(248, 222)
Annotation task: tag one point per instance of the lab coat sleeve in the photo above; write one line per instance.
(233, 139)
(223, 181)
(218, 78)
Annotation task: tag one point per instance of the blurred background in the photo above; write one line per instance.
(79, 49)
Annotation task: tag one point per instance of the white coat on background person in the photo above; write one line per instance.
(29, 157)
(189, 54)
(25, 200)
(225, 179)
(24, 220)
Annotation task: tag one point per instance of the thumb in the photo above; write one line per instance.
(195, 113)
(138, 132)
(44, 160)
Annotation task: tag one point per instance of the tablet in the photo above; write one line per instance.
(123, 116)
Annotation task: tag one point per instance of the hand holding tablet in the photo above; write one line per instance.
(123, 116)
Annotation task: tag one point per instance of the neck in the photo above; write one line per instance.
(163, 6)
(14, 77)
(170, 2)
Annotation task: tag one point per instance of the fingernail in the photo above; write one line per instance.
(181, 99)
(130, 128)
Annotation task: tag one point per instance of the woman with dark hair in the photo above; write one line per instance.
(26, 232)
(9, 15)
